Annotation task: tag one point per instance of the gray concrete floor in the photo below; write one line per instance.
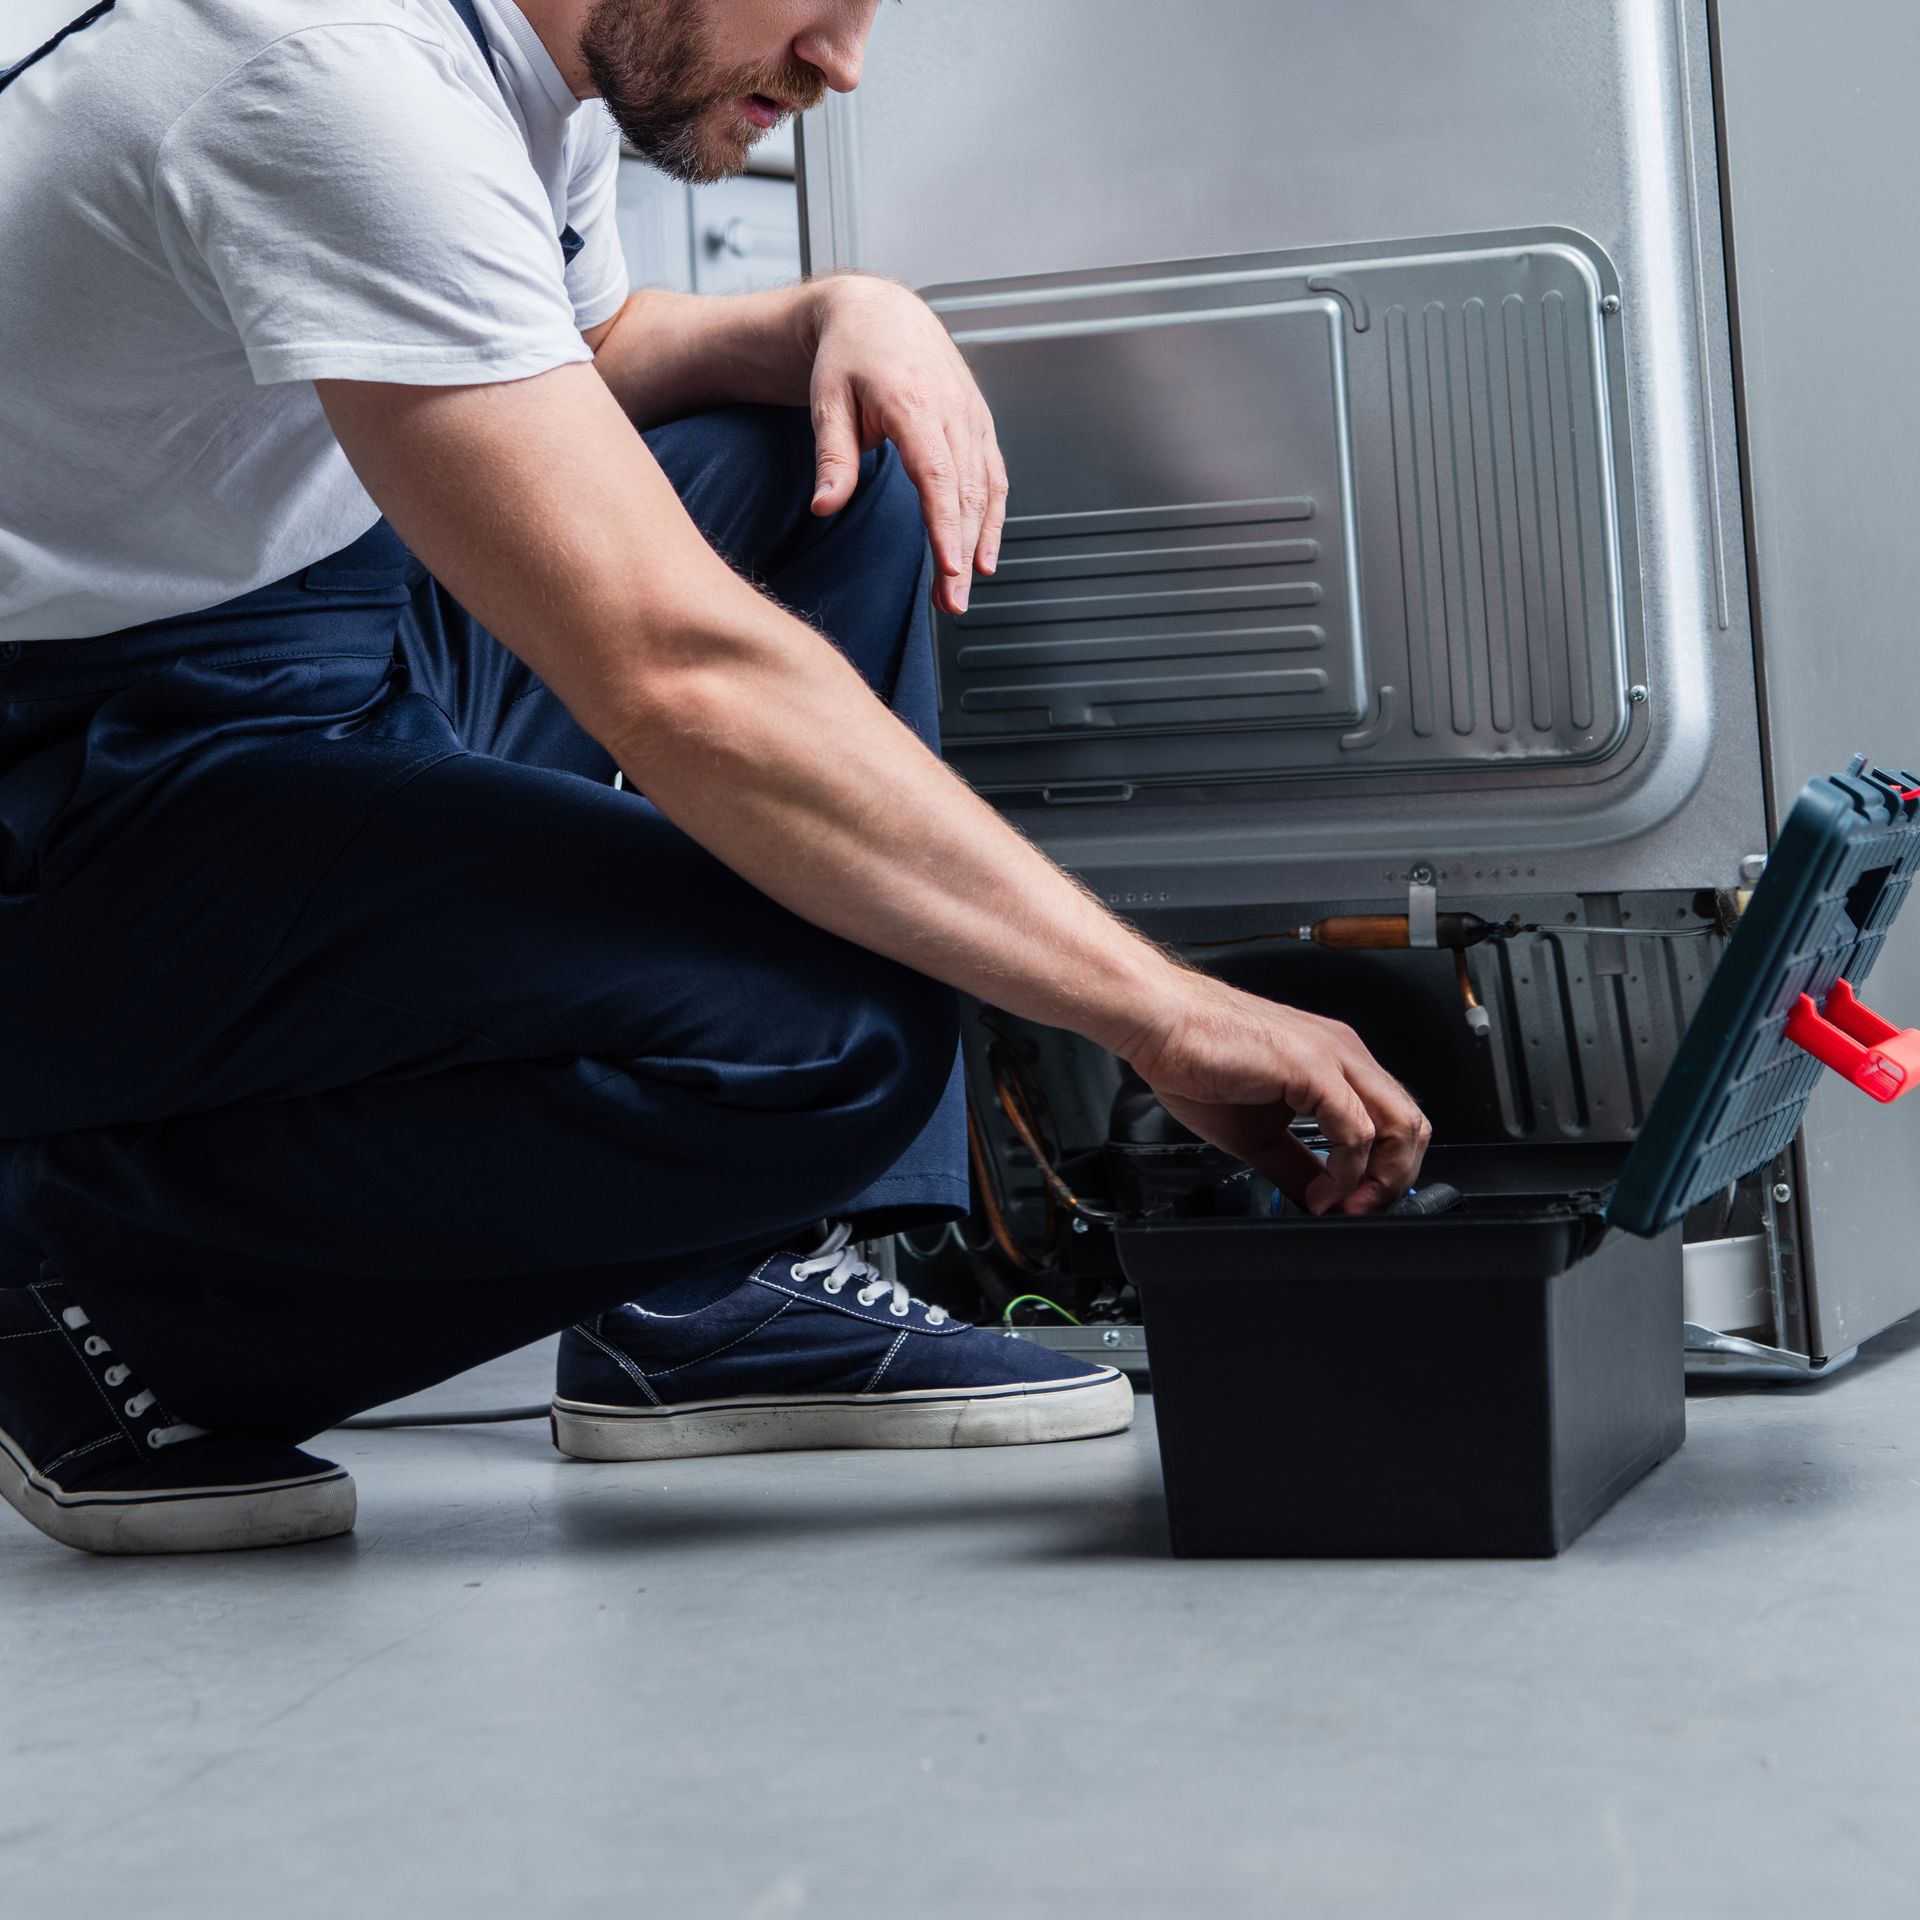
(976, 1684)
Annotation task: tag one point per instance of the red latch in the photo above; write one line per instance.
(1879, 1058)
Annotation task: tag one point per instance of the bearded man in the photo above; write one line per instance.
(474, 859)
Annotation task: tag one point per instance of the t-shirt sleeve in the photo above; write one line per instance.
(597, 277)
(357, 209)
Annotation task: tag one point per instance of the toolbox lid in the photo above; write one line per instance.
(1740, 1081)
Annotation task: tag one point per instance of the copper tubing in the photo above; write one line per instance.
(1389, 932)
(1013, 1103)
(990, 1201)
(1362, 933)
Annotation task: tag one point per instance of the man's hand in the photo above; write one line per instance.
(868, 357)
(1236, 1069)
(884, 369)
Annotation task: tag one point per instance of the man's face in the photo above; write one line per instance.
(693, 84)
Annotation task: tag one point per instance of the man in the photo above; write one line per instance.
(361, 1025)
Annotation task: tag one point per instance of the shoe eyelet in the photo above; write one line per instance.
(96, 1346)
(832, 1286)
(116, 1374)
(153, 1439)
(899, 1313)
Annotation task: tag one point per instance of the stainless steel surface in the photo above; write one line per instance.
(1823, 151)
(1403, 119)
(1712, 1355)
(1122, 1347)
(1330, 517)
(963, 159)
(1584, 1025)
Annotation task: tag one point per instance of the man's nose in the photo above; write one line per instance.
(837, 46)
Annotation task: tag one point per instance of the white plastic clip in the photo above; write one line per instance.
(1423, 915)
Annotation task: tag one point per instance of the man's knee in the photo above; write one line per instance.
(908, 1028)
(742, 469)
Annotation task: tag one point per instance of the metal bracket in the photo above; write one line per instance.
(1726, 1356)
(1423, 914)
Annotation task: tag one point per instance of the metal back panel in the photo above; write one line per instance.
(1428, 435)
(1373, 130)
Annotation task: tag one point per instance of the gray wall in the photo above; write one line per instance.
(1823, 146)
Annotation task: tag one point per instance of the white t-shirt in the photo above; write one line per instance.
(206, 205)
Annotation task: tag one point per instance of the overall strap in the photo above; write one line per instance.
(570, 242)
(8, 75)
(470, 19)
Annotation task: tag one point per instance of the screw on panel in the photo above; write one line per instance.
(1610, 303)
(1111, 1338)
(1079, 1225)
(1782, 1193)
(1638, 695)
(1752, 866)
(1422, 875)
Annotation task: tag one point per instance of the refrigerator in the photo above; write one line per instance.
(1453, 472)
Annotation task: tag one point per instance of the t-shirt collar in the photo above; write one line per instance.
(499, 16)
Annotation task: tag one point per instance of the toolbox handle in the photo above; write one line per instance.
(1878, 1057)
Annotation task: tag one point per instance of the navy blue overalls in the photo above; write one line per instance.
(358, 1029)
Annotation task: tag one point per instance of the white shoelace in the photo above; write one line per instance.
(139, 1402)
(839, 1264)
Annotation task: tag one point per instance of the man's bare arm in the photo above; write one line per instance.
(871, 363)
(667, 354)
(540, 508)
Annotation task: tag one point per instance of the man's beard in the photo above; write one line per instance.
(651, 62)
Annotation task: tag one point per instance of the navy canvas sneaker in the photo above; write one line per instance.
(92, 1458)
(817, 1350)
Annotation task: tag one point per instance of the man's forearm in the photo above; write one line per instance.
(782, 763)
(665, 355)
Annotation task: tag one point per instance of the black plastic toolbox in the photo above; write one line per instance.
(1488, 1381)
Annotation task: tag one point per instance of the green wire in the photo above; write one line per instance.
(1039, 1300)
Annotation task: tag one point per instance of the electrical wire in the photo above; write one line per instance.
(1243, 940)
(1508, 932)
(1007, 1069)
(1627, 933)
(1038, 1300)
(941, 1239)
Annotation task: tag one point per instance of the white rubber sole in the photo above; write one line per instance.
(278, 1513)
(1014, 1416)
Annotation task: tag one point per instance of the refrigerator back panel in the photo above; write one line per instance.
(1503, 554)
(1323, 516)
